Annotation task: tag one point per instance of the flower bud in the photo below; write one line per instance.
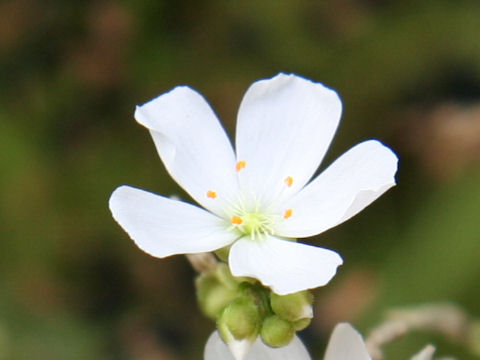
(294, 306)
(301, 324)
(277, 332)
(240, 320)
(257, 294)
(215, 290)
(223, 274)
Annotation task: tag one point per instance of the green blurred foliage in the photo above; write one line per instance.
(73, 285)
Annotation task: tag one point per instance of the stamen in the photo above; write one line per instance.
(211, 194)
(288, 181)
(240, 165)
(287, 213)
(236, 220)
(251, 221)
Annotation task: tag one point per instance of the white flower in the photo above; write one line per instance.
(258, 198)
(345, 344)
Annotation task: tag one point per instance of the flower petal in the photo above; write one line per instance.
(193, 146)
(162, 227)
(346, 343)
(285, 126)
(283, 265)
(216, 349)
(346, 187)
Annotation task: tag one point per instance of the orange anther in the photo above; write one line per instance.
(288, 181)
(287, 213)
(211, 194)
(240, 165)
(236, 220)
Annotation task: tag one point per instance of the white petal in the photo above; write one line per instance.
(285, 126)
(346, 344)
(283, 265)
(162, 227)
(216, 349)
(193, 145)
(346, 187)
(240, 348)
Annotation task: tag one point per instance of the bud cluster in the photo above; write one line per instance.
(244, 309)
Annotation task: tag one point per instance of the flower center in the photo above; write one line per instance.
(253, 224)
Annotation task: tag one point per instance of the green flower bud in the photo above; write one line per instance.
(277, 332)
(226, 277)
(215, 290)
(292, 307)
(240, 320)
(301, 324)
(257, 294)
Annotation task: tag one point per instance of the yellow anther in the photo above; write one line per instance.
(287, 213)
(211, 194)
(288, 181)
(236, 220)
(240, 165)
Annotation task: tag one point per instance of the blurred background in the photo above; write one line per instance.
(74, 286)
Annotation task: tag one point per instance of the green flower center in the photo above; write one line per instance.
(253, 224)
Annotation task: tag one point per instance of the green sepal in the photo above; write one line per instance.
(215, 290)
(301, 324)
(292, 307)
(239, 319)
(256, 294)
(276, 331)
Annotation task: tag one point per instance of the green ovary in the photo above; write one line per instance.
(255, 225)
